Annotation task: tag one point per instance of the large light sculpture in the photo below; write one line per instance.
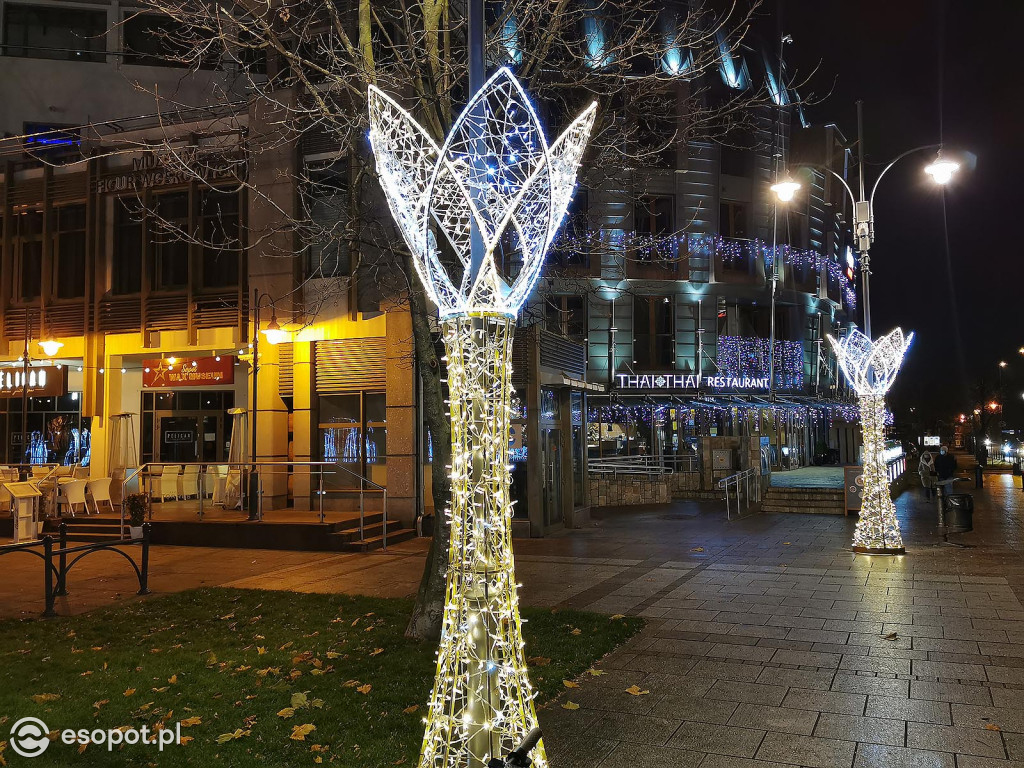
(871, 368)
(496, 179)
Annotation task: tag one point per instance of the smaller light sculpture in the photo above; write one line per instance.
(871, 368)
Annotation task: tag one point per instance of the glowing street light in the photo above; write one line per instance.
(51, 347)
(785, 188)
(273, 333)
(942, 169)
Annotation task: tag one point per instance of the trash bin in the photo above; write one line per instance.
(959, 513)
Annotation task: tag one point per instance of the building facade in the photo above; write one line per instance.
(653, 327)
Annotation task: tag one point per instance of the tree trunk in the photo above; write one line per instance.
(425, 622)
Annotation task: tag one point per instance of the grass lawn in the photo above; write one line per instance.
(249, 671)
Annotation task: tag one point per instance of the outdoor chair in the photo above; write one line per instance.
(73, 493)
(188, 483)
(100, 491)
(80, 473)
(166, 483)
(40, 471)
(5, 497)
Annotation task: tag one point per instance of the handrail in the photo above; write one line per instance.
(735, 480)
(245, 467)
(644, 464)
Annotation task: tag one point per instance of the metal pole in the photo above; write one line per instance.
(62, 587)
(24, 387)
(48, 577)
(361, 513)
(321, 493)
(477, 72)
(252, 503)
(144, 570)
(865, 256)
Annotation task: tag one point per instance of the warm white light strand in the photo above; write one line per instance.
(871, 368)
(495, 171)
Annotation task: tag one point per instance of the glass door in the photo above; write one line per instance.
(178, 438)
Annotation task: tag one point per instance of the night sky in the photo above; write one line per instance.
(907, 60)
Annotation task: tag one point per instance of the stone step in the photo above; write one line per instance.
(372, 543)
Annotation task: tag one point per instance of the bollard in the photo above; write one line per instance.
(979, 476)
(49, 612)
(144, 570)
(62, 582)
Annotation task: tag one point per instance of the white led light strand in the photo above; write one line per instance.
(871, 368)
(494, 171)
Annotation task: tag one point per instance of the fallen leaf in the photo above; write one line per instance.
(172, 679)
(100, 703)
(992, 727)
(333, 654)
(410, 710)
(377, 652)
(570, 705)
(42, 698)
(286, 712)
(785, 543)
(129, 692)
(697, 549)
(364, 689)
(570, 684)
(161, 690)
(188, 722)
(260, 650)
(616, 617)
(300, 732)
(596, 672)
(576, 631)
(892, 636)
(187, 739)
(634, 690)
(224, 738)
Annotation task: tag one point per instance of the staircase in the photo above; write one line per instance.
(814, 501)
(334, 536)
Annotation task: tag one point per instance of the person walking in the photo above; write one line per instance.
(945, 466)
(926, 469)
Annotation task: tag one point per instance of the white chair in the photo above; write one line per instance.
(100, 491)
(5, 497)
(38, 471)
(169, 483)
(188, 482)
(73, 493)
(80, 473)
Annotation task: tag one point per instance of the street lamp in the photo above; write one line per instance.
(51, 347)
(941, 170)
(785, 188)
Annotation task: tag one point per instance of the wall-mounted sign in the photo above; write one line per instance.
(688, 381)
(179, 436)
(188, 371)
(932, 441)
(42, 382)
(147, 172)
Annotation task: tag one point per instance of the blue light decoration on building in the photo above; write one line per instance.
(509, 39)
(740, 356)
(597, 55)
(46, 137)
(675, 60)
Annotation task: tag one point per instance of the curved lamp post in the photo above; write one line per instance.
(871, 368)
(495, 173)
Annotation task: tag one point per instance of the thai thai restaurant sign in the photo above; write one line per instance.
(688, 382)
(188, 371)
(42, 382)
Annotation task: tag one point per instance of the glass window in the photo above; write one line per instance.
(652, 215)
(69, 259)
(152, 40)
(28, 250)
(54, 32)
(566, 316)
(653, 333)
(353, 433)
(221, 238)
(325, 197)
(170, 250)
(732, 220)
(128, 215)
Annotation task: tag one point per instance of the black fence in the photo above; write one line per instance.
(58, 561)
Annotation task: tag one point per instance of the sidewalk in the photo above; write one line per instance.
(767, 643)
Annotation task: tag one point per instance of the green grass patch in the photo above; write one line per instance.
(234, 662)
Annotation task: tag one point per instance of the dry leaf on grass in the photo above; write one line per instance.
(42, 698)
(570, 705)
(570, 684)
(300, 732)
(410, 710)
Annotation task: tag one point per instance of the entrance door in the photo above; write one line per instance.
(178, 439)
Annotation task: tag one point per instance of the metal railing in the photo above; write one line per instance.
(143, 476)
(644, 465)
(741, 484)
(55, 576)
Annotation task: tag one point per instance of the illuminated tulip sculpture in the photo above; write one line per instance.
(496, 174)
(871, 368)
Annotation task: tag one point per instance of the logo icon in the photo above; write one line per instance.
(29, 737)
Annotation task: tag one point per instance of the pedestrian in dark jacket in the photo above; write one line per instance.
(945, 466)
